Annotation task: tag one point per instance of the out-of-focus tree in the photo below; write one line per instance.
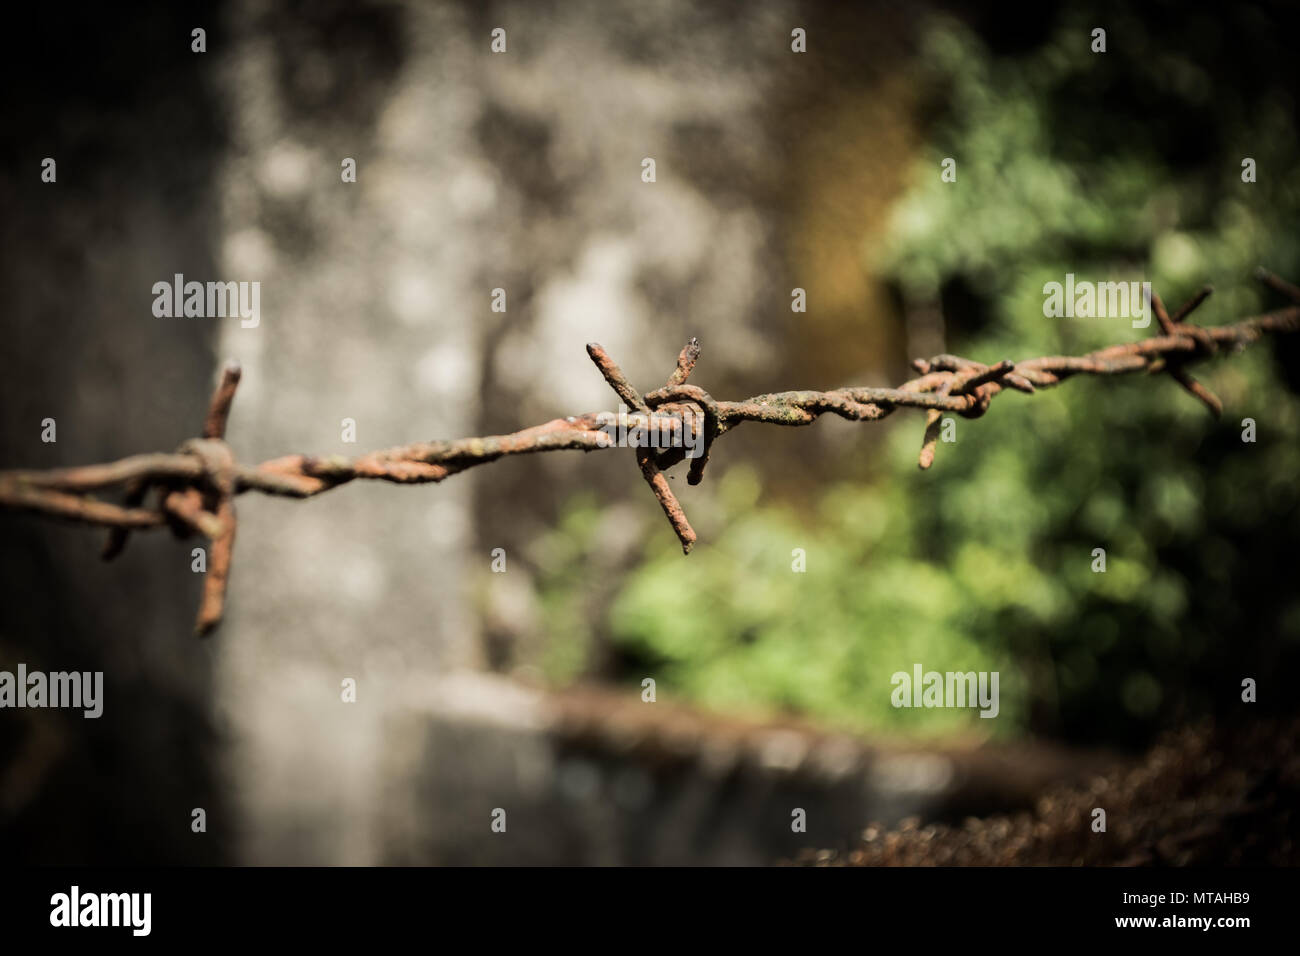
(1114, 167)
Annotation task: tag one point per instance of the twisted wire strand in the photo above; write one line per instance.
(195, 487)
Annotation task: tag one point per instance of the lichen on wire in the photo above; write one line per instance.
(194, 488)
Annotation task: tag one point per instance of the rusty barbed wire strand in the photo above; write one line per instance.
(195, 486)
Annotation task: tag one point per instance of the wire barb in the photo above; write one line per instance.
(195, 486)
(1205, 345)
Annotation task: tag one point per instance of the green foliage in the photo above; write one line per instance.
(984, 562)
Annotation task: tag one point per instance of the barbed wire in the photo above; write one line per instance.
(195, 486)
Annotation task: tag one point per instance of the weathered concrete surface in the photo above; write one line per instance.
(476, 171)
(601, 777)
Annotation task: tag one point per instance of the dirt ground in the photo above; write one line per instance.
(1203, 796)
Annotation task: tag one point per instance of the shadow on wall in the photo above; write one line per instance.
(123, 107)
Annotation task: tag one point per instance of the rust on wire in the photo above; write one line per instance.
(196, 486)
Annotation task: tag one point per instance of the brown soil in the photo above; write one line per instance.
(1202, 796)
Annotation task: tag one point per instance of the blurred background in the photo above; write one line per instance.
(521, 171)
